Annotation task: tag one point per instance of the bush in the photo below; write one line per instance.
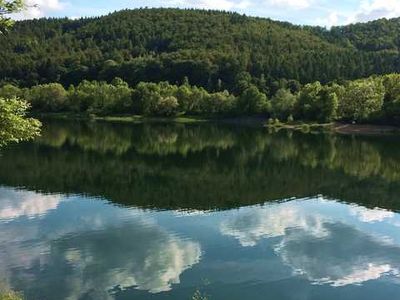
(147, 96)
(14, 127)
(305, 128)
(218, 103)
(277, 122)
(10, 91)
(47, 97)
(317, 103)
(362, 99)
(101, 97)
(283, 103)
(167, 107)
(252, 101)
(391, 103)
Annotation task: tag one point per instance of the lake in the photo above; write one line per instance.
(173, 211)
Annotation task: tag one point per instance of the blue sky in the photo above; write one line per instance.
(312, 12)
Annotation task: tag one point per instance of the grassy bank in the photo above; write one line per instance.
(137, 119)
(299, 126)
(365, 129)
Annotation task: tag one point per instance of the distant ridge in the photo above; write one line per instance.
(211, 48)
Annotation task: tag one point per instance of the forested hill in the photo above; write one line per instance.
(376, 35)
(212, 49)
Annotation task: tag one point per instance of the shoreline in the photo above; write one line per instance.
(138, 119)
(338, 128)
(253, 121)
(365, 129)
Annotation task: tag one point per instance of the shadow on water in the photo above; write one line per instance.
(175, 166)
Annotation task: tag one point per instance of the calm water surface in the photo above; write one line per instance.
(106, 211)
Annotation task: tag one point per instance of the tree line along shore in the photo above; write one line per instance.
(374, 100)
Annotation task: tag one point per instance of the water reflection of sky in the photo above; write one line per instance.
(327, 242)
(76, 247)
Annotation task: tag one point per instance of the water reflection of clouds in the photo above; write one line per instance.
(347, 256)
(325, 246)
(14, 203)
(101, 248)
(371, 215)
(254, 225)
(144, 257)
(98, 246)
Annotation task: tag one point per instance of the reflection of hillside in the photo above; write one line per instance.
(204, 166)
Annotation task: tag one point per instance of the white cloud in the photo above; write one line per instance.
(40, 8)
(243, 4)
(74, 17)
(331, 20)
(294, 4)
(212, 4)
(375, 9)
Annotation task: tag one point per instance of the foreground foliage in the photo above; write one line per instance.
(8, 7)
(10, 296)
(7, 294)
(14, 126)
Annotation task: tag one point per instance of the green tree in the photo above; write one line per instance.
(317, 103)
(10, 91)
(243, 82)
(100, 97)
(146, 98)
(8, 7)
(328, 105)
(185, 97)
(362, 99)
(391, 105)
(252, 101)
(167, 106)
(14, 126)
(282, 104)
(308, 103)
(218, 103)
(47, 97)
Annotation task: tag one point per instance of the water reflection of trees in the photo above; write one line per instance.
(204, 166)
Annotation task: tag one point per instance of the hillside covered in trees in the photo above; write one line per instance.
(214, 50)
(169, 62)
